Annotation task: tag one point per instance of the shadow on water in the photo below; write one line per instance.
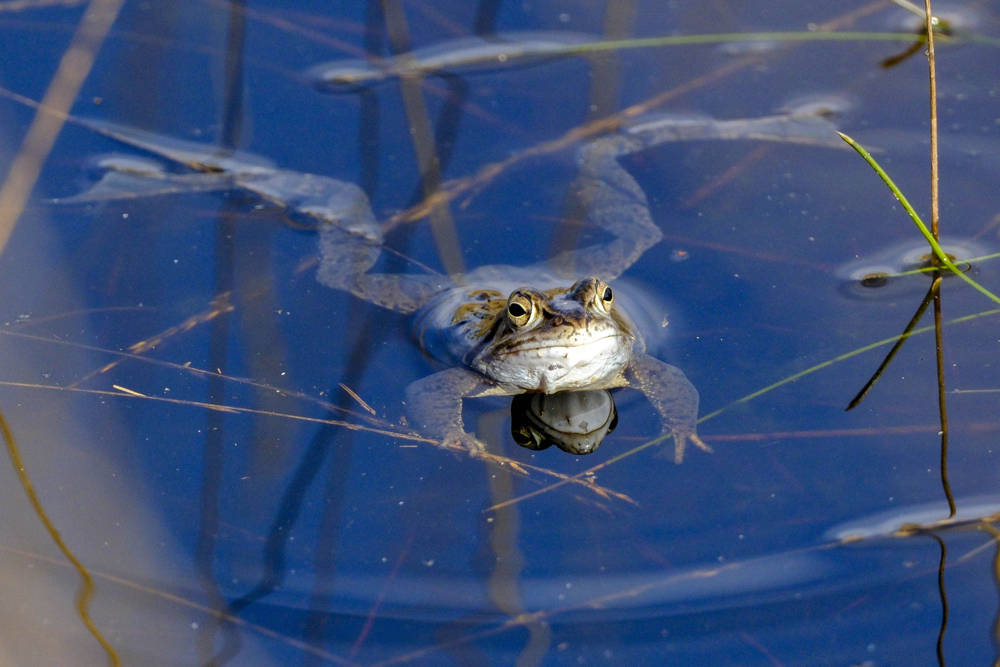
(216, 442)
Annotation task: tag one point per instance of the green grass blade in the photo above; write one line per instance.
(901, 198)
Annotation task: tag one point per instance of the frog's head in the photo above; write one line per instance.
(558, 339)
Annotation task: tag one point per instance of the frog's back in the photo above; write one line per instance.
(456, 322)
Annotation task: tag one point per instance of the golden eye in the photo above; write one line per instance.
(600, 295)
(519, 309)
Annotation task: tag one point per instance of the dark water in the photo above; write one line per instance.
(231, 502)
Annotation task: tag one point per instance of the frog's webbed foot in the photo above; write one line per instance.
(682, 435)
(198, 156)
(434, 405)
(807, 127)
(132, 178)
(673, 396)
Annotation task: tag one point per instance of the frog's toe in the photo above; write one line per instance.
(460, 440)
(699, 443)
(680, 445)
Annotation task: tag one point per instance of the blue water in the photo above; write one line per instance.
(216, 485)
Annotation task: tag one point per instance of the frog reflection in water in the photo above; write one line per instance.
(505, 330)
(574, 421)
(508, 330)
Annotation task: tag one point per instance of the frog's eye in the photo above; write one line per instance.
(602, 295)
(519, 309)
(594, 294)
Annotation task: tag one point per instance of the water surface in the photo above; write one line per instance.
(176, 379)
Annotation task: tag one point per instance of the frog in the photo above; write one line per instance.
(557, 325)
(550, 339)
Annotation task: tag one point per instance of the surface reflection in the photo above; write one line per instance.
(220, 441)
(896, 270)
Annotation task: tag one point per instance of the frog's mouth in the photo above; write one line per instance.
(553, 366)
(556, 346)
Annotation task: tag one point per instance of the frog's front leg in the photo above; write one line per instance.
(673, 396)
(434, 404)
